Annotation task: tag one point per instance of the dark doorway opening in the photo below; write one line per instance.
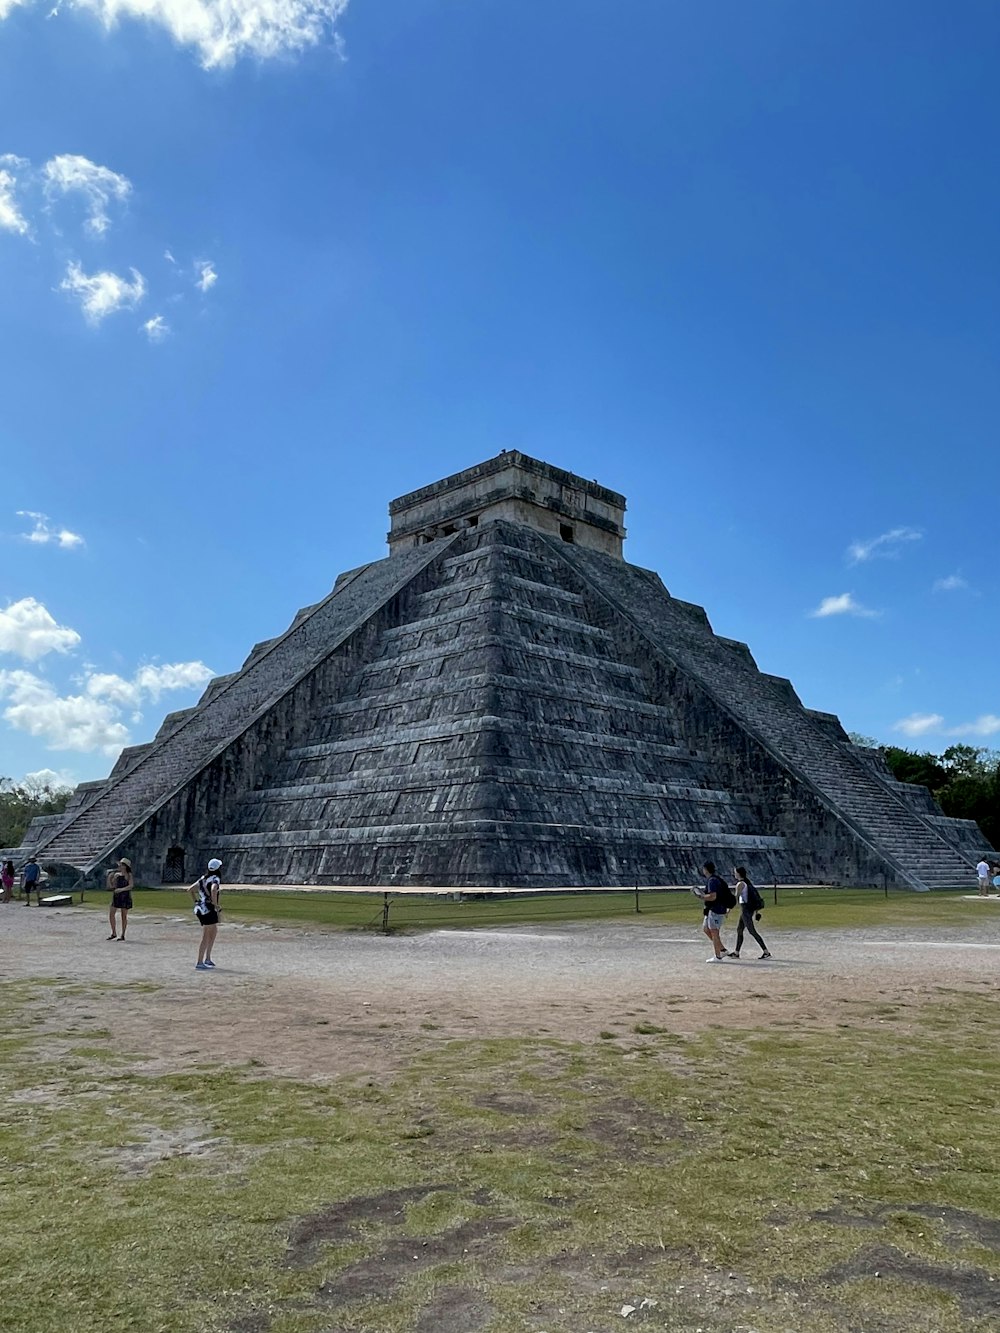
(565, 532)
(173, 866)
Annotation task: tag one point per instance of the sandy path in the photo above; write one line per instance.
(315, 1003)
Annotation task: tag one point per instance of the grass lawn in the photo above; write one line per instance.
(792, 1179)
(795, 908)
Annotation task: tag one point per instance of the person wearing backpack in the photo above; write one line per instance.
(751, 906)
(718, 899)
(205, 892)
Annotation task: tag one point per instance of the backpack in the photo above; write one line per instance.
(725, 899)
(755, 903)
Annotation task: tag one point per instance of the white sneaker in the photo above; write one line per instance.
(713, 959)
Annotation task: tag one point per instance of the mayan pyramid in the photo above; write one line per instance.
(505, 701)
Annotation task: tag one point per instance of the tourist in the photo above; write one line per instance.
(718, 899)
(31, 873)
(7, 881)
(983, 872)
(121, 885)
(205, 893)
(996, 879)
(751, 904)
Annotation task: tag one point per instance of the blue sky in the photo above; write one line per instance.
(264, 268)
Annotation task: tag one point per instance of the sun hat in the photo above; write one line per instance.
(124, 861)
(215, 864)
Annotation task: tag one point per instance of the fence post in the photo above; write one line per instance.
(385, 914)
(885, 884)
(776, 893)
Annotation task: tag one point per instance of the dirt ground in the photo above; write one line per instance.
(318, 1004)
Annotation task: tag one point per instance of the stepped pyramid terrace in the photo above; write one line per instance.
(505, 701)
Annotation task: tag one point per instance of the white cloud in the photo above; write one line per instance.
(169, 258)
(69, 173)
(156, 329)
(887, 546)
(43, 778)
(69, 722)
(842, 605)
(11, 217)
(28, 630)
(919, 724)
(154, 680)
(223, 31)
(91, 719)
(953, 583)
(207, 276)
(986, 725)
(44, 534)
(102, 294)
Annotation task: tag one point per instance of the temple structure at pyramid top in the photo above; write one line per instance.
(518, 489)
(505, 701)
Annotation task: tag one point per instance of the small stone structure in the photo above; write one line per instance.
(504, 701)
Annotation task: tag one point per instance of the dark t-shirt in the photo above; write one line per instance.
(714, 884)
(31, 872)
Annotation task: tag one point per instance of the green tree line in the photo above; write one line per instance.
(21, 802)
(965, 780)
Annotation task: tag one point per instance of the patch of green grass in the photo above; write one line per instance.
(795, 1162)
(810, 908)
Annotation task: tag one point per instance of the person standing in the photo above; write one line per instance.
(7, 881)
(718, 899)
(751, 905)
(121, 885)
(983, 874)
(31, 873)
(205, 893)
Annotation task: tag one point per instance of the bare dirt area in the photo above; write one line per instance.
(318, 1004)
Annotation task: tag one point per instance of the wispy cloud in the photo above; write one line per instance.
(11, 217)
(45, 533)
(952, 583)
(102, 294)
(68, 173)
(843, 604)
(887, 546)
(156, 329)
(28, 630)
(222, 31)
(207, 276)
(988, 724)
(919, 724)
(926, 724)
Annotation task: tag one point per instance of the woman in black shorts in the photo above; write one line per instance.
(121, 896)
(206, 908)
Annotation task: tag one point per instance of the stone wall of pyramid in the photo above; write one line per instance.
(501, 707)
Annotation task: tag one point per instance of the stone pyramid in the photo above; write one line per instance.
(504, 701)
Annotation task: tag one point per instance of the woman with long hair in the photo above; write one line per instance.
(121, 884)
(205, 892)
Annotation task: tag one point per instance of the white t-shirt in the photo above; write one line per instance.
(983, 870)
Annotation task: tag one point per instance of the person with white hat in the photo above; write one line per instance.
(205, 893)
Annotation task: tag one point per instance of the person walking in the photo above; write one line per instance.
(983, 874)
(7, 881)
(205, 892)
(751, 905)
(31, 873)
(121, 885)
(718, 898)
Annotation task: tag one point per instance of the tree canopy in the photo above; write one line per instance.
(965, 781)
(21, 802)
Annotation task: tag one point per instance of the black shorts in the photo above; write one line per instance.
(208, 918)
(123, 898)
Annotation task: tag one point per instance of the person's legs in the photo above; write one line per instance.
(204, 945)
(210, 934)
(739, 935)
(111, 921)
(124, 912)
(753, 930)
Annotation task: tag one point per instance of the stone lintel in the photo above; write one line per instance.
(517, 488)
